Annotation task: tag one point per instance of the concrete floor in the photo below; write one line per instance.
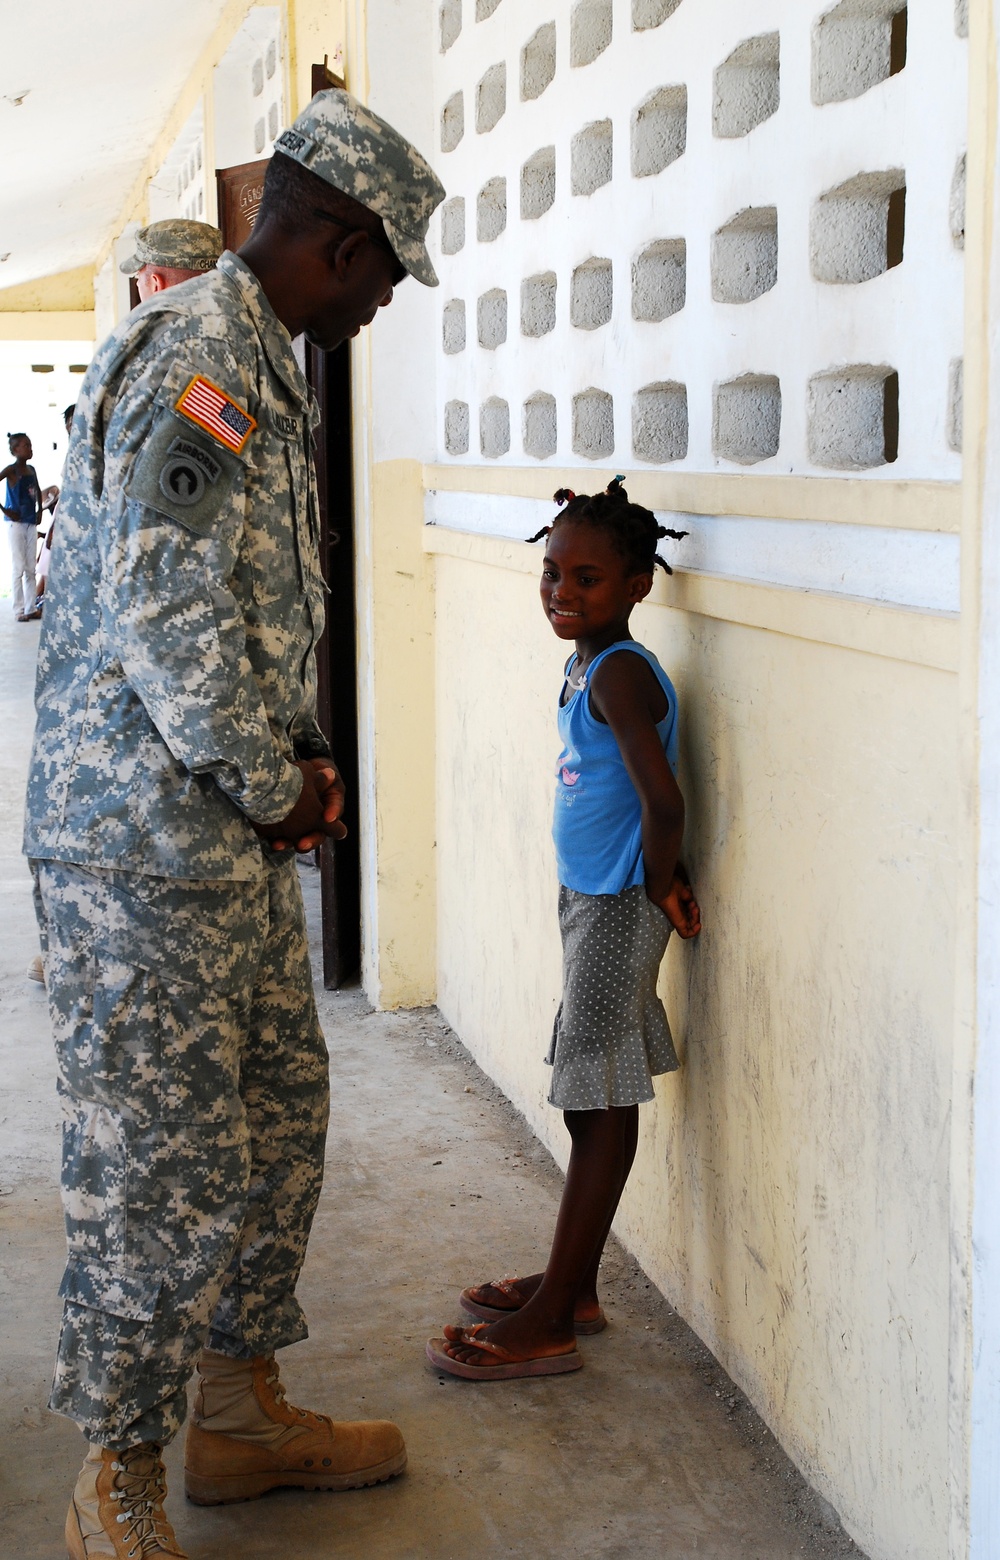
(433, 1181)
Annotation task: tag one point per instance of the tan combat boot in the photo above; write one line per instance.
(244, 1439)
(117, 1508)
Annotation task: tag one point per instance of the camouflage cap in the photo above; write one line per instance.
(178, 244)
(348, 146)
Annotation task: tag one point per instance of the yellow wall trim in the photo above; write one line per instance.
(921, 638)
(908, 506)
(65, 292)
(52, 325)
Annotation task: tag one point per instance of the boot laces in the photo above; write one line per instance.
(140, 1488)
(275, 1383)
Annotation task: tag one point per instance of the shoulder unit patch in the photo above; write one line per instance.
(212, 409)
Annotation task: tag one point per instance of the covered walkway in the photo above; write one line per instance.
(432, 1181)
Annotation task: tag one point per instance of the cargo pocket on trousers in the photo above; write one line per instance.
(107, 1316)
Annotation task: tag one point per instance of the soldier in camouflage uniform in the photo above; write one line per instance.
(169, 252)
(177, 760)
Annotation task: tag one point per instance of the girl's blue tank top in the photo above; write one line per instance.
(597, 825)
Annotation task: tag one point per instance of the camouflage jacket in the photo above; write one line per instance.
(176, 678)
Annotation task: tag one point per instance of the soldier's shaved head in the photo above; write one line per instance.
(293, 197)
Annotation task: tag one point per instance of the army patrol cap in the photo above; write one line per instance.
(348, 146)
(178, 244)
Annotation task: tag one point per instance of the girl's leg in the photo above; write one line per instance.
(587, 1303)
(601, 1157)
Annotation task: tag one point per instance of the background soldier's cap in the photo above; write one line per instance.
(348, 146)
(178, 244)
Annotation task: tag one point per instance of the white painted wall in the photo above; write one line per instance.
(180, 187)
(909, 318)
(105, 299)
(792, 1190)
(249, 90)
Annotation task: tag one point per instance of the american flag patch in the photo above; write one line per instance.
(211, 408)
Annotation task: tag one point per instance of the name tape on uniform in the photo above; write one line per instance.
(295, 144)
(210, 408)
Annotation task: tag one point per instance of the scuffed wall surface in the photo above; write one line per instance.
(791, 1191)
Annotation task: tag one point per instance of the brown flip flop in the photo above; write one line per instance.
(508, 1366)
(493, 1313)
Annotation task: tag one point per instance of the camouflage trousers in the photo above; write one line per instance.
(194, 1079)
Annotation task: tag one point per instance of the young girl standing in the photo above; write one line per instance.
(619, 821)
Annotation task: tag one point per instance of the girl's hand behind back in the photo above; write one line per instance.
(681, 908)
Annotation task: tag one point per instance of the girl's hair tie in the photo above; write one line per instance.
(563, 496)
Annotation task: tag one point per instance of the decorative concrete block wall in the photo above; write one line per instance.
(491, 210)
(747, 88)
(702, 233)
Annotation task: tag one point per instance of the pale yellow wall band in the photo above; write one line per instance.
(921, 638)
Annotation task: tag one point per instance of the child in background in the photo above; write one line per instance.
(22, 511)
(619, 821)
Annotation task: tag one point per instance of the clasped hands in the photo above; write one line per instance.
(316, 815)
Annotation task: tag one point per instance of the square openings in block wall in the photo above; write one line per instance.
(591, 294)
(858, 229)
(453, 225)
(660, 423)
(745, 256)
(456, 427)
(494, 427)
(651, 13)
(591, 157)
(491, 318)
(491, 98)
(593, 424)
(452, 122)
(453, 326)
(956, 408)
(746, 426)
(590, 29)
(538, 62)
(854, 417)
(659, 280)
(539, 425)
(538, 184)
(491, 210)
(659, 131)
(855, 46)
(451, 23)
(538, 304)
(747, 87)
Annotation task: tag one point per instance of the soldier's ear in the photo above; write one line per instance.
(347, 251)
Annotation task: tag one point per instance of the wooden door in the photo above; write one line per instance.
(329, 374)
(239, 190)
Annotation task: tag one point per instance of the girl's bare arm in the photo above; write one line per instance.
(624, 693)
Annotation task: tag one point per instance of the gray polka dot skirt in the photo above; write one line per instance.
(611, 1035)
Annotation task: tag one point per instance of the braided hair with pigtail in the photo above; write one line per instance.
(632, 530)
